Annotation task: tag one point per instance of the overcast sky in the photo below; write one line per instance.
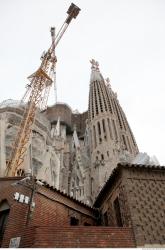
(127, 37)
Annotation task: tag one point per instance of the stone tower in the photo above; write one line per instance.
(112, 140)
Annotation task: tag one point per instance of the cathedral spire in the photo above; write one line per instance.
(99, 101)
(111, 136)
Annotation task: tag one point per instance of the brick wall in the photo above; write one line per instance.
(146, 196)
(117, 189)
(18, 211)
(52, 208)
(55, 209)
(77, 237)
(50, 223)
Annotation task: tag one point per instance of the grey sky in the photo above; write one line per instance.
(127, 37)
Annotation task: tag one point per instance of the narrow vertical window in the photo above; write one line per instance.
(103, 122)
(104, 129)
(99, 132)
(94, 135)
(99, 128)
(114, 128)
(110, 130)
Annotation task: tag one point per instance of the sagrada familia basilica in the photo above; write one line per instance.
(70, 179)
(74, 152)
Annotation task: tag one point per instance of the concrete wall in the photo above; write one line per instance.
(59, 110)
(80, 121)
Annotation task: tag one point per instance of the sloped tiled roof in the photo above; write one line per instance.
(45, 184)
(65, 194)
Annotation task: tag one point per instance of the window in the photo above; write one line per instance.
(104, 129)
(74, 221)
(94, 135)
(110, 130)
(114, 128)
(99, 128)
(4, 213)
(118, 212)
(103, 122)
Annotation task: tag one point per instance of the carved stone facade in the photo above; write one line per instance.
(73, 152)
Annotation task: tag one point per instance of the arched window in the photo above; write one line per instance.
(4, 213)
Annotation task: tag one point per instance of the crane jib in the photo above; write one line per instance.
(38, 91)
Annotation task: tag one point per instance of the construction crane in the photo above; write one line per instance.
(38, 91)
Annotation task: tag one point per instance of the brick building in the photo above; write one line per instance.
(128, 212)
(56, 221)
(134, 196)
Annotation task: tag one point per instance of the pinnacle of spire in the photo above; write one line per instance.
(75, 138)
(95, 73)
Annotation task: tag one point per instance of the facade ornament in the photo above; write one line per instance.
(107, 81)
(98, 163)
(95, 65)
